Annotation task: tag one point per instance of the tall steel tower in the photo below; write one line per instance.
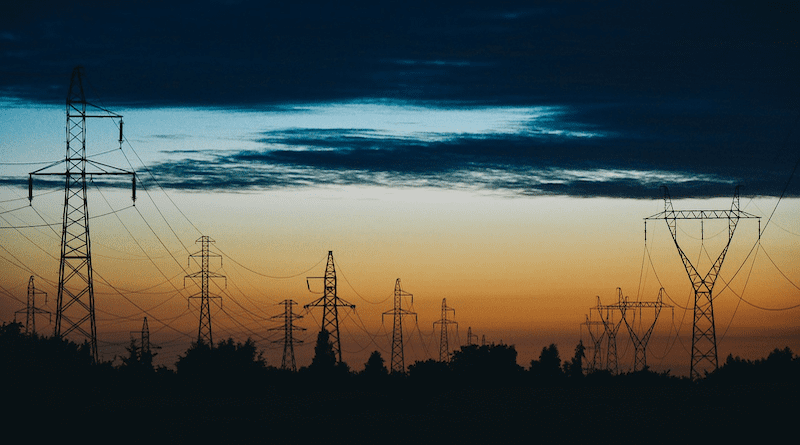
(470, 336)
(205, 275)
(444, 347)
(611, 327)
(288, 329)
(31, 310)
(75, 301)
(330, 304)
(597, 336)
(704, 334)
(398, 363)
(145, 339)
(640, 340)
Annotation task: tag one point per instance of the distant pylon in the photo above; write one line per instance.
(31, 310)
(398, 363)
(288, 328)
(640, 340)
(145, 338)
(597, 337)
(330, 304)
(704, 332)
(75, 301)
(204, 333)
(444, 347)
(611, 327)
(470, 336)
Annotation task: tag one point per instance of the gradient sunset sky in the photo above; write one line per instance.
(502, 155)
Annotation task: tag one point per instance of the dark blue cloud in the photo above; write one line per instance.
(686, 88)
(632, 166)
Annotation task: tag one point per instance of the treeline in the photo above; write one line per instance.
(227, 393)
(47, 362)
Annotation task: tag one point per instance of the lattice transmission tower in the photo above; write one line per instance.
(330, 304)
(470, 336)
(288, 328)
(444, 322)
(204, 333)
(704, 335)
(611, 325)
(596, 330)
(640, 339)
(75, 311)
(398, 364)
(145, 339)
(31, 310)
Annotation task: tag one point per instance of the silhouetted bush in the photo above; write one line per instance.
(228, 362)
(547, 370)
(486, 365)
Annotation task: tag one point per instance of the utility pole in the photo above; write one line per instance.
(611, 328)
(288, 328)
(640, 341)
(31, 310)
(444, 348)
(398, 363)
(330, 304)
(704, 334)
(204, 334)
(75, 301)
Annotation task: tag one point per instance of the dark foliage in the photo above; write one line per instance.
(438, 399)
(486, 365)
(780, 366)
(323, 364)
(547, 370)
(227, 361)
(573, 369)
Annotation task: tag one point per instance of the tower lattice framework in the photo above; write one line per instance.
(444, 323)
(704, 335)
(397, 313)
(611, 325)
(31, 310)
(632, 309)
(596, 336)
(330, 304)
(288, 317)
(75, 304)
(204, 331)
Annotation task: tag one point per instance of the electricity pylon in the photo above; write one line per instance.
(330, 304)
(470, 336)
(704, 335)
(611, 328)
(444, 348)
(288, 329)
(31, 310)
(75, 301)
(640, 341)
(597, 336)
(205, 275)
(145, 339)
(398, 363)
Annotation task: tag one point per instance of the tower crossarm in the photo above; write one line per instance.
(702, 214)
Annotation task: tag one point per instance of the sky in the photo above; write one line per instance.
(502, 155)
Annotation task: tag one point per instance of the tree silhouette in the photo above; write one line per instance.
(324, 360)
(574, 368)
(233, 361)
(485, 364)
(548, 368)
